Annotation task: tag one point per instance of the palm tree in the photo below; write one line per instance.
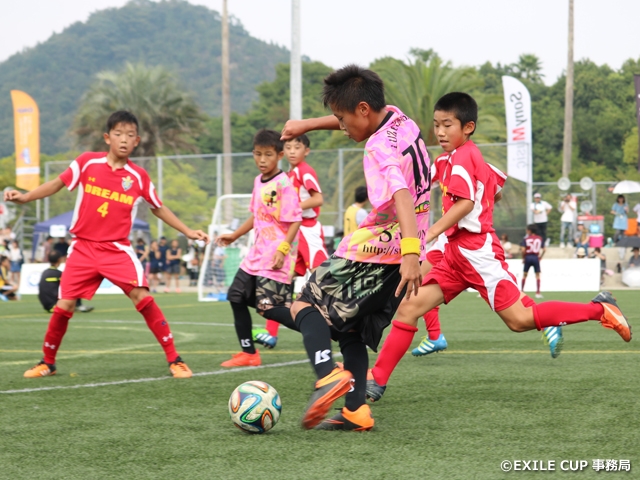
(528, 67)
(168, 117)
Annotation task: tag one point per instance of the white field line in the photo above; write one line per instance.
(133, 322)
(145, 380)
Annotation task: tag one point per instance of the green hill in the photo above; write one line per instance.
(183, 37)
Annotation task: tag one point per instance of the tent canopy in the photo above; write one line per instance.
(65, 219)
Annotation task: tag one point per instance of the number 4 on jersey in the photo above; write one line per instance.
(104, 209)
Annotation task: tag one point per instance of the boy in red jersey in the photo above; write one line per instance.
(311, 251)
(474, 257)
(110, 188)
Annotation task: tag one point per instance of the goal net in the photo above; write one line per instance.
(220, 264)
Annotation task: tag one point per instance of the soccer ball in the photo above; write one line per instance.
(255, 407)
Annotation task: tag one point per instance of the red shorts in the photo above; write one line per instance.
(482, 268)
(436, 252)
(88, 263)
(311, 251)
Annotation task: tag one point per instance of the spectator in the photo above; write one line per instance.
(619, 210)
(62, 247)
(582, 238)
(568, 209)
(540, 210)
(355, 214)
(155, 265)
(192, 259)
(634, 261)
(174, 254)
(162, 248)
(142, 252)
(48, 246)
(16, 260)
(506, 245)
(7, 289)
(581, 252)
(597, 253)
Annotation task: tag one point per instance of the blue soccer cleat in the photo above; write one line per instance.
(263, 337)
(430, 346)
(553, 337)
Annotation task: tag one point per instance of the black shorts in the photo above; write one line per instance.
(259, 292)
(355, 296)
(531, 261)
(154, 269)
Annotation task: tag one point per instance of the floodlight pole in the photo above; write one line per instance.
(295, 77)
(568, 102)
(226, 103)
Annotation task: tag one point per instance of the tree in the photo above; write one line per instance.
(168, 117)
(528, 67)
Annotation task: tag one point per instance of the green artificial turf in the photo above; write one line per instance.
(493, 395)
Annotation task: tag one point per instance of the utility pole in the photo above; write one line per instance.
(226, 104)
(295, 77)
(568, 103)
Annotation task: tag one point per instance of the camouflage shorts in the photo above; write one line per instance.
(259, 292)
(355, 296)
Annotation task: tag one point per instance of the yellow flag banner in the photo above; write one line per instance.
(26, 121)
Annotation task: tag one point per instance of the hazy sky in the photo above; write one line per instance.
(337, 32)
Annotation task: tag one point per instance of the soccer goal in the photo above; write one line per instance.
(220, 264)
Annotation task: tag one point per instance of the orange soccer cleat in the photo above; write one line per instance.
(179, 369)
(243, 359)
(612, 316)
(40, 370)
(328, 390)
(358, 421)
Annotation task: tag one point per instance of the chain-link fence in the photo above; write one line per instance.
(190, 185)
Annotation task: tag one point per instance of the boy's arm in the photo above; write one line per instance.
(228, 238)
(45, 190)
(457, 212)
(168, 217)
(316, 200)
(410, 266)
(295, 128)
(277, 260)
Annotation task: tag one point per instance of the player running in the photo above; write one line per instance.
(110, 188)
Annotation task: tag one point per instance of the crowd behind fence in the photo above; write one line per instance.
(190, 185)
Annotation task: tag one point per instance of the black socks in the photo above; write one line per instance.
(316, 336)
(242, 322)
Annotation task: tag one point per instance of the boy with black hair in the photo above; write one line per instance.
(355, 214)
(353, 295)
(263, 280)
(110, 187)
(50, 286)
(474, 257)
(311, 250)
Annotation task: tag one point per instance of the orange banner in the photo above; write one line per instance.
(26, 121)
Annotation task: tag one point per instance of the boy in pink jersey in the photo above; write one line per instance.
(263, 280)
(474, 257)
(110, 188)
(353, 295)
(311, 250)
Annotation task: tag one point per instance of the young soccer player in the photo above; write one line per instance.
(353, 295)
(263, 280)
(355, 214)
(110, 188)
(532, 251)
(473, 257)
(311, 251)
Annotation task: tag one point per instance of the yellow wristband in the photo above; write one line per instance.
(284, 248)
(410, 245)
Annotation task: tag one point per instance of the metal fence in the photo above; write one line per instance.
(190, 185)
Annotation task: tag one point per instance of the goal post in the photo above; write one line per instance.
(220, 264)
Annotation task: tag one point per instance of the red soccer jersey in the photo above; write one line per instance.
(532, 245)
(107, 200)
(304, 180)
(463, 173)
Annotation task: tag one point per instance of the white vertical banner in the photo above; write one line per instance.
(517, 103)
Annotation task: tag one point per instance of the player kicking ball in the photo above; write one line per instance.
(110, 187)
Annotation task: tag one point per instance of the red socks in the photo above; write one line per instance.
(558, 314)
(272, 327)
(395, 346)
(57, 328)
(158, 325)
(432, 321)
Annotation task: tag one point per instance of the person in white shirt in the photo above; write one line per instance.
(568, 210)
(540, 210)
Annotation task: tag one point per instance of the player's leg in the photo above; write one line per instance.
(80, 280)
(356, 414)
(434, 341)
(538, 294)
(241, 296)
(273, 301)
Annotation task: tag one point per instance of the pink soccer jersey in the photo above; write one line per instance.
(107, 199)
(463, 173)
(305, 180)
(395, 158)
(275, 206)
